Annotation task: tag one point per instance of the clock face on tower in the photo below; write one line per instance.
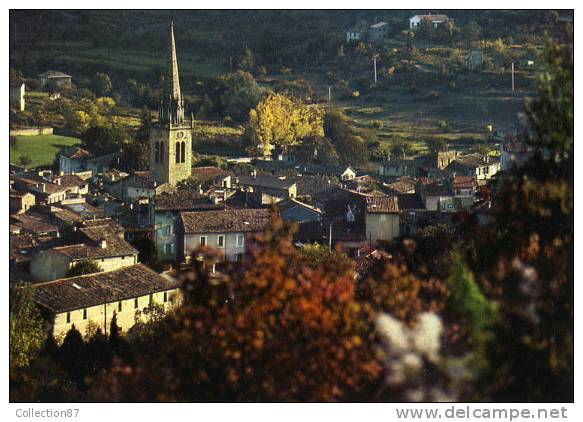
(180, 134)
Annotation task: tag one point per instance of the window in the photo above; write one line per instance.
(119, 306)
(136, 303)
(177, 152)
(240, 240)
(183, 151)
(157, 149)
(68, 317)
(84, 313)
(221, 241)
(165, 297)
(202, 241)
(151, 299)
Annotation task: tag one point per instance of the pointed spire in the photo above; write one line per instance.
(171, 104)
(172, 78)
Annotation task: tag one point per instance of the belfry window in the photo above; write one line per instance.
(183, 151)
(178, 152)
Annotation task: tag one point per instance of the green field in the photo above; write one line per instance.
(41, 149)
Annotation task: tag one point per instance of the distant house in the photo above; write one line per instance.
(397, 168)
(20, 201)
(96, 298)
(434, 194)
(291, 209)
(348, 174)
(464, 186)
(475, 165)
(74, 185)
(138, 185)
(357, 32)
(381, 218)
(102, 163)
(435, 20)
(212, 176)
(475, 59)
(167, 209)
(73, 160)
(403, 185)
(378, 31)
(35, 224)
(102, 244)
(17, 92)
(266, 187)
(225, 230)
(54, 78)
(45, 192)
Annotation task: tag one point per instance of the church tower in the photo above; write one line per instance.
(171, 136)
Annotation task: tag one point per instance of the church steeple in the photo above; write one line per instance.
(171, 104)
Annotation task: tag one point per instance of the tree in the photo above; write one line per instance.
(101, 85)
(84, 267)
(27, 328)
(526, 258)
(247, 61)
(471, 33)
(77, 121)
(350, 147)
(400, 150)
(271, 332)
(279, 120)
(104, 138)
(24, 161)
(241, 94)
(436, 145)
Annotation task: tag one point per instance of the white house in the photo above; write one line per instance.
(94, 299)
(436, 20)
(225, 230)
(17, 93)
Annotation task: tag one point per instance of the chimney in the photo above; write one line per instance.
(224, 195)
(254, 174)
(58, 181)
(43, 187)
(103, 244)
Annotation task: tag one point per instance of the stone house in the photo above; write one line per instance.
(270, 186)
(102, 244)
(166, 211)
(381, 218)
(136, 186)
(36, 224)
(476, 165)
(378, 31)
(228, 231)
(397, 168)
(291, 209)
(94, 299)
(212, 176)
(54, 78)
(20, 201)
(73, 160)
(434, 193)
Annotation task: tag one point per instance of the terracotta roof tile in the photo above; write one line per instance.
(94, 289)
(225, 221)
(382, 204)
